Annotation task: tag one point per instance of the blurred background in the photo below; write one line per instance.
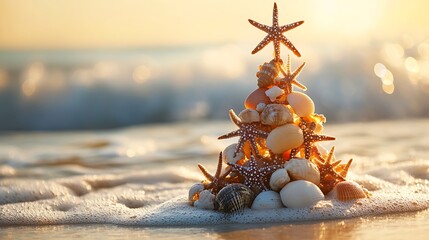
(97, 64)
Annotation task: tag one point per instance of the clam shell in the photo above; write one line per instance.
(194, 191)
(267, 200)
(274, 92)
(276, 115)
(249, 116)
(279, 179)
(205, 200)
(284, 138)
(234, 197)
(256, 97)
(302, 169)
(301, 104)
(300, 194)
(347, 190)
(228, 154)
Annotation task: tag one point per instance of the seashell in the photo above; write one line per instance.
(267, 73)
(301, 104)
(260, 107)
(194, 191)
(279, 179)
(256, 97)
(234, 197)
(276, 115)
(205, 200)
(300, 194)
(274, 92)
(283, 138)
(249, 116)
(303, 169)
(228, 154)
(267, 200)
(347, 190)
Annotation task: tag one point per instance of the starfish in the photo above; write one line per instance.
(329, 177)
(290, 78)
(255, 177)
(217, 182)
(275, 34)
(247, 132)
(309, 139)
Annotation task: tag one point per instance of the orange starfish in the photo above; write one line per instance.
(275, 34)
(217, 182)
(290, 78)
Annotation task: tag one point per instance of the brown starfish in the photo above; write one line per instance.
(275, 34)
(255, 177)
(217, 182)
(290, 78)
(329, 176)
(309, 139)
(248, 132)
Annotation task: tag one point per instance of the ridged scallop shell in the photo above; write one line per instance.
(300, 194)
(205, 200)
(267, 200)
(267, 73)
(194, 191)
(279, 179)
(249, 116)
(303, 169)
(276, 115)
(347, 190)
(234, 197)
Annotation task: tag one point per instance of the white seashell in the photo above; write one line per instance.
(284, 138)
(267, 200)
(274, 92)
(279, 179)
(347, 190)
(276, 115)
(205, 201)
(194, 190)
(301, 104)
(300, 194)
(249, 116)
(228, 154)
(260, 107)
(302, 169)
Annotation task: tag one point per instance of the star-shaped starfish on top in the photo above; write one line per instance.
(309, 139)
(255, 177)
(275, 34)
(247, 132)
(290, 78)
(217, 182)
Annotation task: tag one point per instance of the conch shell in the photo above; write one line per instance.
(267, 73)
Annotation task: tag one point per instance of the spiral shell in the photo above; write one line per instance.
(276, 115)
(234, 197)
(267, 73)
(347, 190)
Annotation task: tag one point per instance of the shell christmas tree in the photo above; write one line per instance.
(277, 161)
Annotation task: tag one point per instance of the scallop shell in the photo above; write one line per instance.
(267, 200)
(249, 116)
(347, 190)
(228, 154)
(300, 194)
(276, 115)
(267, 73)
(256, 97)
(279, 179)
(205, 200)
(274, 92)
(194, 191)
(234, 197)
(283, 138)
(303, 169)
(301, 104)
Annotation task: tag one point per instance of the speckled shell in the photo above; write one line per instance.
(347, 190)
(194, 191)
(279, 179)
(300, 194)
(256, 97)
(276, 115)
(284, 138)
(234, 197)
(228, 154)
(302, 169)
(267, 200)
(249, 116)
(301, 104)
(267, 73)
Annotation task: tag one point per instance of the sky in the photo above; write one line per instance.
(94, 24)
